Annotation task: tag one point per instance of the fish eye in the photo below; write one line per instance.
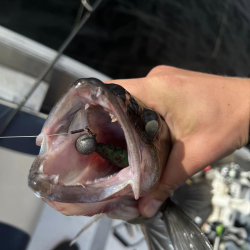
(152, 127)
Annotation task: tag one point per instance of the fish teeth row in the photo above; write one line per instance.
(113, 118)
(86, 106)
(100, 179)
(110, 176)
(98, 93)
(80, 184)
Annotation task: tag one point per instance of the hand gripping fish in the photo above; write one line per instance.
(117, 157)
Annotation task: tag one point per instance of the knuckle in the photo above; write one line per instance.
(168, 80)
(158, 69)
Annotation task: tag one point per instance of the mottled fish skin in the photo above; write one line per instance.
(117, 196)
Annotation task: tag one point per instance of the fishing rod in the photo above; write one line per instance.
(60, 51)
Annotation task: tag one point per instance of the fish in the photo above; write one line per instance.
(76, 182)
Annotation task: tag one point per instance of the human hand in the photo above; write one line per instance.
(208, 117)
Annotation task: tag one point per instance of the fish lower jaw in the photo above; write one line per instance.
(116, 180)
(49, 187)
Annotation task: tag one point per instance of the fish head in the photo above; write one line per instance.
(77, 184)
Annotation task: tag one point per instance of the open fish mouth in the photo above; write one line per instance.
(60, 173)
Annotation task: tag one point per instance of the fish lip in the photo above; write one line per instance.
(47, 189)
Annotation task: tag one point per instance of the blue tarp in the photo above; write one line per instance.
(22, 124)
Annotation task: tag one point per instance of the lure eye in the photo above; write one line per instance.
(86, 144)
(152, 127)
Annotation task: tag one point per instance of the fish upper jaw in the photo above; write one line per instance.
(43, 178)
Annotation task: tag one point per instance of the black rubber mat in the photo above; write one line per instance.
(12, 238)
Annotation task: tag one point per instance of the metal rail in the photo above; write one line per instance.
(50, 66)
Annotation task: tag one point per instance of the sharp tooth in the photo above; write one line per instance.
(98, 92)
(38, 195)
(56, 179)
(80, 184)
(86, 106)
(113, 118)
(40, 170)
(78, 85)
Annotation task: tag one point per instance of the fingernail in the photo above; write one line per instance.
(151, 208)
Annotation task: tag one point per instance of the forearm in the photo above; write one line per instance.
(244, 85)
(248, 144)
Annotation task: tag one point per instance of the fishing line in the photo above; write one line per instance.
(50, 66)
(96, 218)
(69, 133)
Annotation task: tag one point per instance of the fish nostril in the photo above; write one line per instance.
(149, 115)
(118, 90)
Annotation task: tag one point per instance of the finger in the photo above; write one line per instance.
(169, 70)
